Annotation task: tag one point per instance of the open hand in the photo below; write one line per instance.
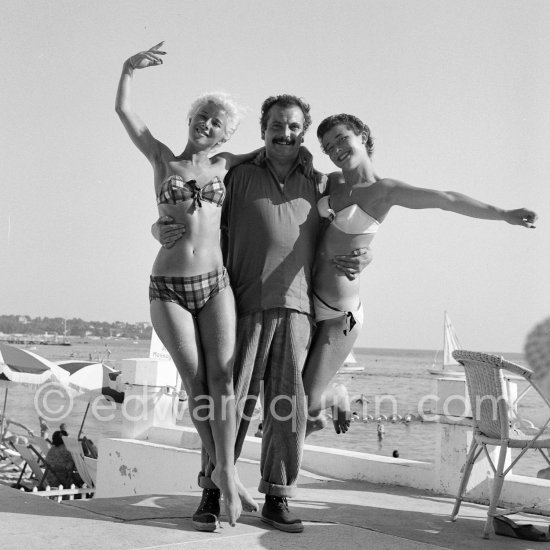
(167, 231)
(148, 58)
(352, 264)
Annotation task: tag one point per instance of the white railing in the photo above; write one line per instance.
(59, 493)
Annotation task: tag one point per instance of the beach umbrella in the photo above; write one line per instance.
(20, 366)
(89, 380)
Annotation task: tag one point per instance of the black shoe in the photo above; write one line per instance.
(207, 516)
(276, 513)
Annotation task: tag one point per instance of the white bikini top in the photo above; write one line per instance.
(352, 220)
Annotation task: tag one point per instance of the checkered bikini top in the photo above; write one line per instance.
(174, 190)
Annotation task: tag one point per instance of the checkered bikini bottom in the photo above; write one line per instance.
(191, 293)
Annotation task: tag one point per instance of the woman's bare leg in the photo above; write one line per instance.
(328, 351)
(177, 330)
(217, 323)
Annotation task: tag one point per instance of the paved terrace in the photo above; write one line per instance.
(336, 515)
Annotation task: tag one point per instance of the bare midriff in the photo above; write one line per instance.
(329, 282)
(198, 251)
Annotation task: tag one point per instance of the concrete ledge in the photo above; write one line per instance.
(352, 465)
(131, 467)
(168, 461)
(136, 467)
(527, 490)
(516, 491)
(178, 436)
(324, 461)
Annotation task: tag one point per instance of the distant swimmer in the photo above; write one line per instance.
(381, 431)
(395, 454)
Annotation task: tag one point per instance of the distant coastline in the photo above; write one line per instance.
(23, 328)
(420, 352)
(144, 336)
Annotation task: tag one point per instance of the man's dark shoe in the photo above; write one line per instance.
(207, 516)
(276, 513)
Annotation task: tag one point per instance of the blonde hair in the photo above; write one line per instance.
(223, 100)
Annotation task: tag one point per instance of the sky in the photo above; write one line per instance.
(455, 93)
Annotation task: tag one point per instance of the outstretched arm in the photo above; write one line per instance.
(136, 128)
(401, 194)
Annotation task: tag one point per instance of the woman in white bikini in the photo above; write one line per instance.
(356, 208)
(192, 304)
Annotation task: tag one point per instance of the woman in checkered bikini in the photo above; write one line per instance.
(192, 304)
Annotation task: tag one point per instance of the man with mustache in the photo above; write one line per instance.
(270, 228)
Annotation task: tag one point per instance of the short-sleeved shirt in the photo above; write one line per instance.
(272, 230)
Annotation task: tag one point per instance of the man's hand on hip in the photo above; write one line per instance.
(352, 264)
(167, 231)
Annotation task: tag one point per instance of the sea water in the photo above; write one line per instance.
(394, 382)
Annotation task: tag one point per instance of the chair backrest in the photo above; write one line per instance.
(12, 456)
(40, 444)
(75, 448)
(492, 408)
(29, 456)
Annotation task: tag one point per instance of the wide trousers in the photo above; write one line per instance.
(271, 350)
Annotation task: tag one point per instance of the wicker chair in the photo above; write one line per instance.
(497, 423)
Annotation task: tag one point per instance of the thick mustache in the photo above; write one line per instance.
(284, 141)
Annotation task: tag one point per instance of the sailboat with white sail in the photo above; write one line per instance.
(449, 367)
(350, 365)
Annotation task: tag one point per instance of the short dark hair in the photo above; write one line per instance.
(57, 438)
(284, 100)
(356, 125)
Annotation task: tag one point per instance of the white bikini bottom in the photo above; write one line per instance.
(323, 312)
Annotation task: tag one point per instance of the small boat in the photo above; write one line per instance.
(449, 367)
(350, 365)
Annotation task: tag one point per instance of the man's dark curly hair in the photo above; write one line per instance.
(356, 125)
(284, 100)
